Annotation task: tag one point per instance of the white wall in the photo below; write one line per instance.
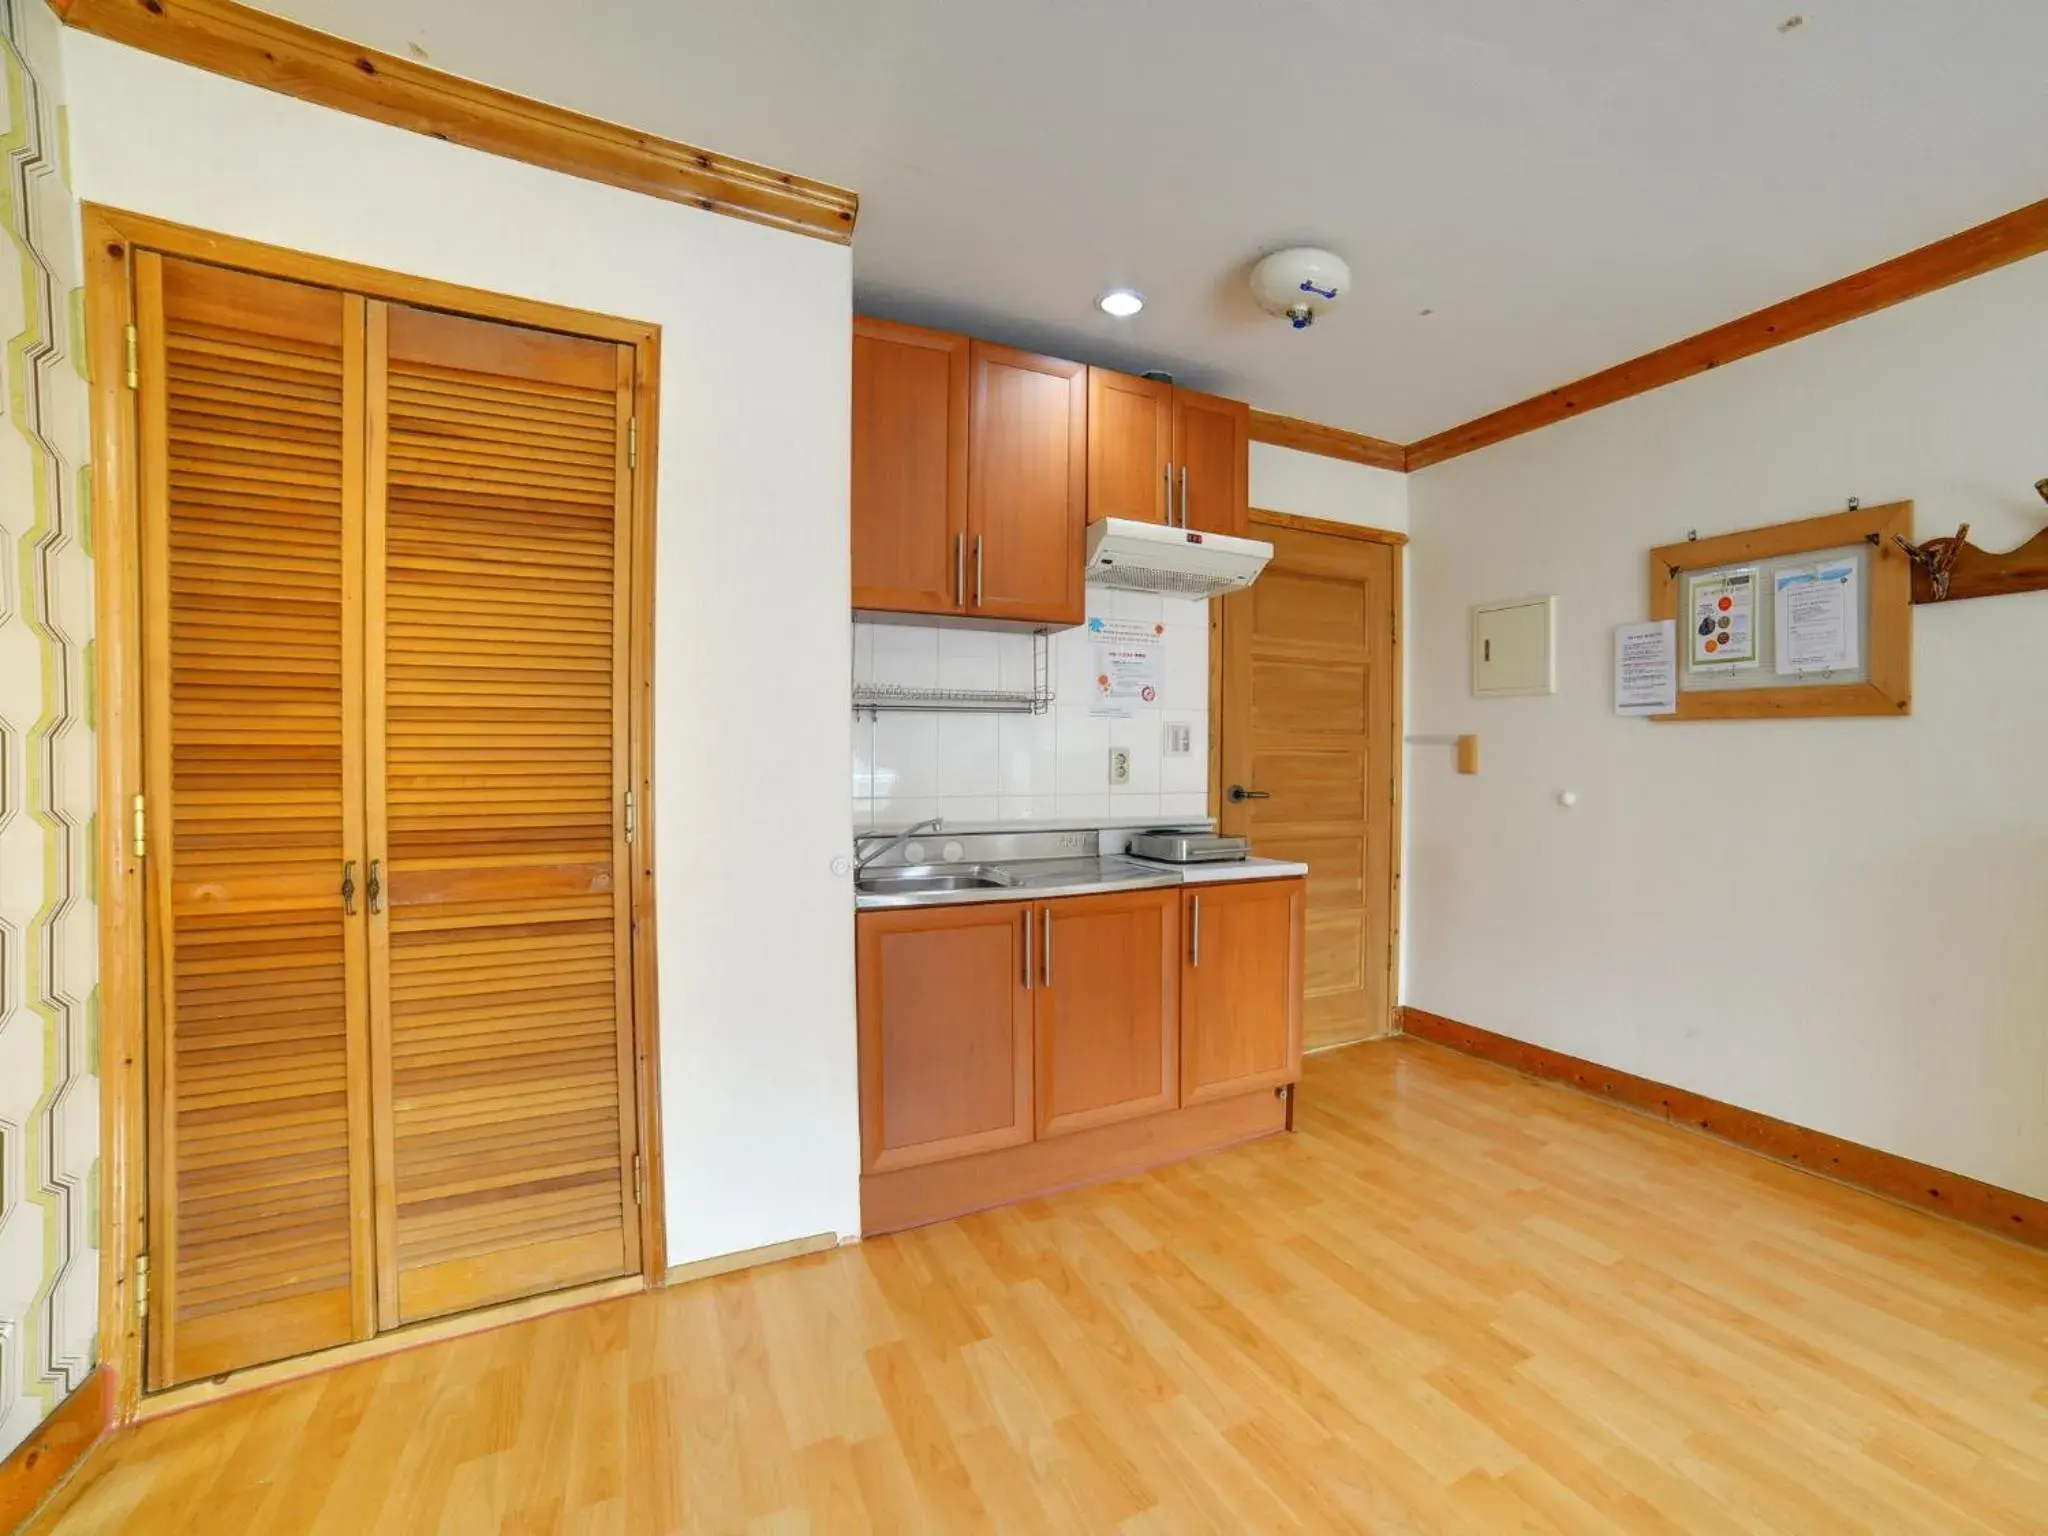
(1841, 923)
(1031, 768)
(755, 939)
(1310, 485)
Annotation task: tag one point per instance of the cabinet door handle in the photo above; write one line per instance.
(959, 570)
(348, 888)
(376, 885)
(1183, 495)
(1195, 938)
(1169, 493)
(1027, 949)
(1046, 972)
(977, 570)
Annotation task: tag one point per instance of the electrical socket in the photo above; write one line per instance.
(1119, 765)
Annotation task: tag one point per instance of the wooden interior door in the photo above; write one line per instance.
(1310, 727)
(944, 1006)
(1027, 486)
(497, 763)
(1240, 988)
(250, 456)
(1108, 1009)
(909, 468)
(1212, 447)
(1130, 447)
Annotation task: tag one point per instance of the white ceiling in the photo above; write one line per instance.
(1564, 183)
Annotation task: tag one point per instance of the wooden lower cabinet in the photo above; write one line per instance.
(1240, 988)
(945, 1032)
(1108, 1009)
(1008, 1049)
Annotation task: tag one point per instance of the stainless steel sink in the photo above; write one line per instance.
(924, 881)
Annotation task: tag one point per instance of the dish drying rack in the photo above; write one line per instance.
(873, 698)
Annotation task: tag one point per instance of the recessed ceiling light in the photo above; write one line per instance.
(1120, 302)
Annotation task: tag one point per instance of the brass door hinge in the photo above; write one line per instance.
(632, 442)
(142, 1288)
(141, 829)
(639, 1192)
(134, 359)
(632, 820)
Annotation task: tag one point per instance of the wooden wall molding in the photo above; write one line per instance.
(54, 1448)
(2004, 1211)
(1262, 518)
(260, 49)
(1985, 248)
(1330, 442)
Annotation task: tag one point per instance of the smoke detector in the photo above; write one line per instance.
(1299, 283)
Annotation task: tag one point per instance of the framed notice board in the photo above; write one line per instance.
(1812, 618)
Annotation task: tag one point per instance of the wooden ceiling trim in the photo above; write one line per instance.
(1985, 248)
(1330, 442)
(259, 49)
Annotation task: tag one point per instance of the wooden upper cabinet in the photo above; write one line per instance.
(1211, 462)
(1027, 486)
(909, 468)
(1241, 987)
(944, 1009)
(1108, 1008)
(1130, 447)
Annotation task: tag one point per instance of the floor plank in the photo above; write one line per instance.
(1455, 1300)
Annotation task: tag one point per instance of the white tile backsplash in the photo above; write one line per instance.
(976, 767)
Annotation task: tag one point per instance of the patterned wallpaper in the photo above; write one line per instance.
(49, 1086)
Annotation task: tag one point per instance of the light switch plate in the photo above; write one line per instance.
(1119, 765)
(1177, 739)
(1514, 648)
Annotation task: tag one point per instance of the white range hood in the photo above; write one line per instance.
(1183, 562)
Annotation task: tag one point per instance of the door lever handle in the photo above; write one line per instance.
(1239, 793)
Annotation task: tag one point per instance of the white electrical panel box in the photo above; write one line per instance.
(1514, 648)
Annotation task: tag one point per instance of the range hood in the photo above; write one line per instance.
(1183, 562)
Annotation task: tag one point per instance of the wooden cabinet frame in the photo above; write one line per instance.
(112, 241)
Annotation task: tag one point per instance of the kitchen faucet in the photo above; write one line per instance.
(891, 842)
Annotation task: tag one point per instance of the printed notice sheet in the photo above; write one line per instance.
(1646, 668)
(1723, 610)
(1816, 617)
(1130, 664)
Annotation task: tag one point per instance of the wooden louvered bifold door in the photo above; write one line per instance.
(250, 421)
(496, 752)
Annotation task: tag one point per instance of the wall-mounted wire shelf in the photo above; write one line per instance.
(873, 698)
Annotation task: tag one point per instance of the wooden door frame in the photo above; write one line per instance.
(1396, 717)
(111, 238)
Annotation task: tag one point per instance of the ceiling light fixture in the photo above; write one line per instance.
(1120, 302)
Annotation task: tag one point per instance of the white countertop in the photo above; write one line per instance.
(1228, 869)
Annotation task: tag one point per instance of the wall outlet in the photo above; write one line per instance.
(1119, 765)
(1177, 739)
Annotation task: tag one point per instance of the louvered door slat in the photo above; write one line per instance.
(496, 740)
(251, 449)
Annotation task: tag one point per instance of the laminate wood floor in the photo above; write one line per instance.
(1456, 1300)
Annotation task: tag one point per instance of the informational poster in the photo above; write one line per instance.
(1130, 664)
(1723, 609)
(1646, 668)
(1816, 617)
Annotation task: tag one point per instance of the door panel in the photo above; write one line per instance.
(496, 741)
(1027, 491)
(1241, 988)
(1108, 1009)
(909, 468)
(250, 394)
(1309, 720)
(1130, 445)
(1212, 449)
(945, 1033)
